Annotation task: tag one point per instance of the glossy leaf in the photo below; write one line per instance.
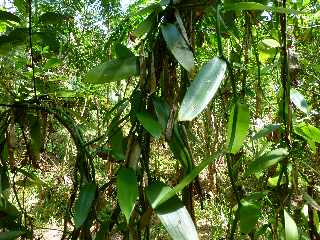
(8, 16)
(123, 52)
(271, 43)
(146, 25)
(84, 203)
(249, 215)
(117, 140)
(114, 70)
(164, 193)
(176, 143)
(266, 131)
(291, 230)
(172, 214)
(127, 191)
(51, 18)
(151, 125)
(267, 160)
(202, 89)
(178, 45)
(162, 110)
(311, 201)
(308, 132)
(11, 235)
(299, 101)
(4, 179)
(255, 6)
(238, 126)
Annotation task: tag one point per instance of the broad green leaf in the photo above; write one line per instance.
(156, 192)
(162, 110)
(51, 18)
(103, 231)
(53, 62)
(266, 160)
(84, 203)
(273, 181)
(176, 143)
(178, 46)
(311, 201)
(21, 5)
(291, 230)
(166, 193)
(255, 6)
(308, 132)
(117, 140)
(123, 52)
(11, 235)
(202, 89)
(8, 210)
(172, 214)
(238, 126)
(127, 191)
(151, 125)
(299, 101)
(114, 70)
(266, 131)
(271, 43)
(4, 179)
(146, 25)
(249, 215)
(8, 16)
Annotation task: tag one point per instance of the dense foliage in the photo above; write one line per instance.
(171, 119)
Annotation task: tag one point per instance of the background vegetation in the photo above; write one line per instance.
(171, 119)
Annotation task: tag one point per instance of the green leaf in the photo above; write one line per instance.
(298, 100)
(21, 5)
(84, 202)
(176, 143)
(271, 43)
(291, 230)
(202, 89)
(145, 27)
(266, 160)
(311, 201)
(123, 52)
(53, 62)
(51, 18)
(249, 215)
(162, 110)
(308, 132)
(254, 6)
(151, 125)
(114, 70)
(164, 193)
(178, 46)
(238, 126)
(11, 235)
(8, 16)
(4, 179)
(172, 214)
(266, 131)
(117, 141)
(127, 190)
